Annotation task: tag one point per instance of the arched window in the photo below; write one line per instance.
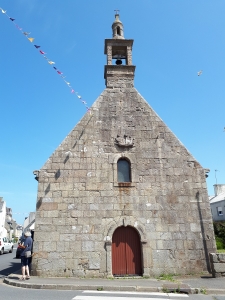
(118, 30)
(123, 170)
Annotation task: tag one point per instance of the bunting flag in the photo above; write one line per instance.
(31, 39)
(18, 27)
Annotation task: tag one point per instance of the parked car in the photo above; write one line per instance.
(19, 250)
(5, 245)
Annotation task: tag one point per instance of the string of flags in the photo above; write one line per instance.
(50, 62)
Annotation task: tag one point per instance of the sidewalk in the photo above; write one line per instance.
(188, 284)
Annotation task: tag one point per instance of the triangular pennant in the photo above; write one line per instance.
(18, 27)
(26, 33)
(42, 52)
(31, 39)
(36, 46)
(12, 19)
(72, 91)
(3, 11)
(51, 62)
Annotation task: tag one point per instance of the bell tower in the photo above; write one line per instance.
(119, 71)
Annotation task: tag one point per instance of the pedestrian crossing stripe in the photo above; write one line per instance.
(155, 296)
(166, 297)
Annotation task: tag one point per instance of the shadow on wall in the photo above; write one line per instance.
(203, 234)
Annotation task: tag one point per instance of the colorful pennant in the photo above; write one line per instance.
(31, 39)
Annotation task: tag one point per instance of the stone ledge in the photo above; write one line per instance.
(217, 261)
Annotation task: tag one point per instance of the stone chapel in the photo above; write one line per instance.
(121, 195)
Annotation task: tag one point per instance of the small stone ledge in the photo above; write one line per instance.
(217, 261)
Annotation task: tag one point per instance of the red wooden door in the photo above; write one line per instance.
(126, 252)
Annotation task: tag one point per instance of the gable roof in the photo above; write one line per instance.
(217, 198)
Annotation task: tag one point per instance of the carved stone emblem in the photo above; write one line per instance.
(124, 141)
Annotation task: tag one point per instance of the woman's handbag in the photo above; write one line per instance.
(27, 254)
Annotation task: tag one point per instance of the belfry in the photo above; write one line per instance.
(118, 50)
(121, 195)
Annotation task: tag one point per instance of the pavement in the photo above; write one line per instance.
(198, 284)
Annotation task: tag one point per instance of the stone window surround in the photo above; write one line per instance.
(132, 159)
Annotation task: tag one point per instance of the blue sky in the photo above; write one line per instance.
(173, 40)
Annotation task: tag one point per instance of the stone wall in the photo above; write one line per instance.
(80, 203)
(217, 261)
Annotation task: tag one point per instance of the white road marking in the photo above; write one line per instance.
(99, 297)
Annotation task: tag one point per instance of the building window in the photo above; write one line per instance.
(220, 211)
(123, 170)
(118, 30)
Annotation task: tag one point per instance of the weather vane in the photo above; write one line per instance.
(116, 10)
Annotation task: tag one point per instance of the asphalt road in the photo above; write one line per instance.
(12, 293)
(9, 263)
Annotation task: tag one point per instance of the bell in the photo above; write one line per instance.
(119, 62)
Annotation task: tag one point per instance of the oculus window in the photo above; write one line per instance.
(123, 170)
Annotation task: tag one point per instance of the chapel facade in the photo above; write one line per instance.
(121, 195)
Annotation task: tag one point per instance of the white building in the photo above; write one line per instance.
(3, 231)
(29, 222)
(217, 203)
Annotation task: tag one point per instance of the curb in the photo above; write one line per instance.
(131, 288)
(81, 287)
(207, 291)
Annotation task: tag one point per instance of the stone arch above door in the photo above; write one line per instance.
(124, 221)
(112, 226)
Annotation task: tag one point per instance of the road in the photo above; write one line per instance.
(12, 293)
(9, 263)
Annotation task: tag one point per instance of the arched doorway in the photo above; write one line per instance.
(126, 252)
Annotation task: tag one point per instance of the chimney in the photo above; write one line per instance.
(219, 188)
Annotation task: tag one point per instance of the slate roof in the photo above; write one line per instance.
(217, 198)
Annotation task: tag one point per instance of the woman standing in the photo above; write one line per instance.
(26, 256)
